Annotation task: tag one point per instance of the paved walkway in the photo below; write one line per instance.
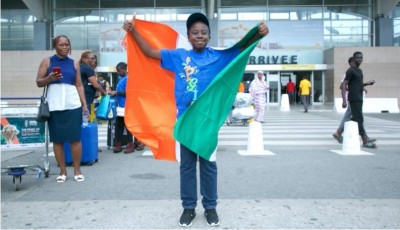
(132, 191)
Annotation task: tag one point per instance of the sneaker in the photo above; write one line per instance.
(338, 138)
(212, 217)
(370, 145)
(187, 217)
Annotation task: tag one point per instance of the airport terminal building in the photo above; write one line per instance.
(312, 38)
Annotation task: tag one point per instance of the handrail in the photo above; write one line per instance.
(20, 98)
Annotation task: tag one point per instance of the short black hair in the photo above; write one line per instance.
(121, 65)
(356, 53)
(351, 59)
(197, 17)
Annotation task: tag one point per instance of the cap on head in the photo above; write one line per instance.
(260, 71)
(196, 17)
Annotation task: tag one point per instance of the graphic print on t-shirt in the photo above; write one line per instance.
(191, 82)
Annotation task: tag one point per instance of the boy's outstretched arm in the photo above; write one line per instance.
(262, 32)
(129, 26)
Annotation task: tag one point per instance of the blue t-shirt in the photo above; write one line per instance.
(194, 71)
(121, 87)
(67, 68)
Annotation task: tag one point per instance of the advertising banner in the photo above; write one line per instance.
(18, 132)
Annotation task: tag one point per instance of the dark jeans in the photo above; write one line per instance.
(208, 180)
(122, 134)
(357, 115)
(292, 97)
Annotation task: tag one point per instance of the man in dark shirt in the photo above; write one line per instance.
(354, 83)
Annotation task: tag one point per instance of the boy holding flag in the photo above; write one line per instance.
(197, 72)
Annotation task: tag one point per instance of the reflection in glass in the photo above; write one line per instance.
(317, 85)
(273, 92)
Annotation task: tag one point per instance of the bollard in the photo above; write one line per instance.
(285, 102)
(255, 142)
(147, 153)
(351, 139)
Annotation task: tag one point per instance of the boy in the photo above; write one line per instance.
(200, 66)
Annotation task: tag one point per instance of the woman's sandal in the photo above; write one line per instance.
(61, 178)
(79, 178)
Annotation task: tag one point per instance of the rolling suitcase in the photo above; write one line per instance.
(111, 138)
(110, 133)
(89, 146)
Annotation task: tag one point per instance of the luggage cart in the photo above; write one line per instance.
(242, 110)
(23, 116)
(17, 171)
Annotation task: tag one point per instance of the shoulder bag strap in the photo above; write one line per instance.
(45, 91)
(45, 88)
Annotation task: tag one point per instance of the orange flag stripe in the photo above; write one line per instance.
(150, 111)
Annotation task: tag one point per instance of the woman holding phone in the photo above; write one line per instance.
(66, 98)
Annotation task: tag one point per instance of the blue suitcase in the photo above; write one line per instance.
(89, 146)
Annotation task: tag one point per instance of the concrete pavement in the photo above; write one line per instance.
(300, 188)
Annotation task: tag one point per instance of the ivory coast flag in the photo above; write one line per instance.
(150, 111)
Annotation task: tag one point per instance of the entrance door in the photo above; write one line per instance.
(318, 88)
(273, 94)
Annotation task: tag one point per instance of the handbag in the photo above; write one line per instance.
(43, 111)
(107, 108)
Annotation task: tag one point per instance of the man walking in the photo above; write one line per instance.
(290, 90)
(354, 83)
(347, 115)
(304, 92)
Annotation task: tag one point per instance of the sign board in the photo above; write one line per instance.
(18, 132)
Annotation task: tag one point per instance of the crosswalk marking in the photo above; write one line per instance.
(288, 130)
(349, 153)
(250, 153)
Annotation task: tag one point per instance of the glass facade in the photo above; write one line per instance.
(396, 26)
(17, 29)
(300, 31)
(96, 24)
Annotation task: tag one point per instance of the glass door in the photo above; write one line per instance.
(274, 88)
(317, 87)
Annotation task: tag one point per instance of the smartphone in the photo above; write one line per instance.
(57, 70)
